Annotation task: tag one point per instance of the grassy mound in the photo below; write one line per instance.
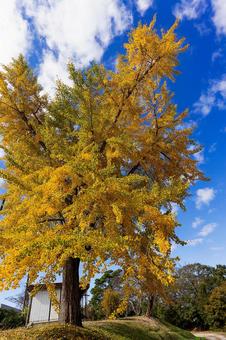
(135, 328)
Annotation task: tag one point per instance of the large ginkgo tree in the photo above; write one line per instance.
(92, 174)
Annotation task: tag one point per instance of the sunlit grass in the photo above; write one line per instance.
(136, 328)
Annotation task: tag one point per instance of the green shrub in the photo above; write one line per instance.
(11, 319)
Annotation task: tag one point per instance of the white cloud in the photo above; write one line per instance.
(219, 8)
(210, 211)
(207, 229)
(215, 96)
(212, 148)
(14, 31)
(199, 156)
(2, 183)
(51, 69)
(202, 28)
(217, 248)
(204, 197)
(193, 9)
(2, 153)
(79, 30)
(143, 5)
(189, 9)
(194, 242)
(220, 86)
(205, 104)
(173, 246)
(175, 208)
(197, 222)
(217, 54)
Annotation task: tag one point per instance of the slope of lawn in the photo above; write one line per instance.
(136, 328)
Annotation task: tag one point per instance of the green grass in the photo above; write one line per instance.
(135, 328)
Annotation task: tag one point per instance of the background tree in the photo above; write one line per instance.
(216, 307)
(142, 294)
(111, 279)
(188, 297)
(89, 173)
(17, 300)
(110, 301)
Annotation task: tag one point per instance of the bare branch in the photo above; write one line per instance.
(52, 220)
(134, 168)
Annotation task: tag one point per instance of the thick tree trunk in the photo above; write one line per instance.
(151, 299)
(70, 309)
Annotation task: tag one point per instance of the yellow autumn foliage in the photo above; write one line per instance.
(93, 172)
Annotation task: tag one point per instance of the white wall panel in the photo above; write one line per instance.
(54, 315)
(40, 307)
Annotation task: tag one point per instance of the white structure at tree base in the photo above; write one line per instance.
(40, 306)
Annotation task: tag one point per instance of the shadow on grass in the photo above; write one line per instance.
(128, 331)
(47, 332)
(181, 332)
(120, 330)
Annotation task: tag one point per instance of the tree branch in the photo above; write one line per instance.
(134, 168)
(131, 90)
(2, 204)
(26, 121)
(52, 220)
(129, 93)
(163, 153)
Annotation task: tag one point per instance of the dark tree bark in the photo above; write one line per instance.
(151, 299)
(26, 294)
(70, 308)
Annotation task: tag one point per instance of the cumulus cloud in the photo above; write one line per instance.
(207, 229)
(189, 9)
(15, 36)
(204, 197)
(193, 9)
(143, 5)
(51, 69)
(79, 30)
(215, 96)
(197, 222)
(219, 8)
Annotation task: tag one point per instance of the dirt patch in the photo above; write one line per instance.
(210, 335)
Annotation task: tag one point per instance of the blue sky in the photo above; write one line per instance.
(50, 33)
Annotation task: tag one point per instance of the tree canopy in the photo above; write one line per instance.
(93, 172)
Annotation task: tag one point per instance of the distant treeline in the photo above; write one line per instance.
(197, 299)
